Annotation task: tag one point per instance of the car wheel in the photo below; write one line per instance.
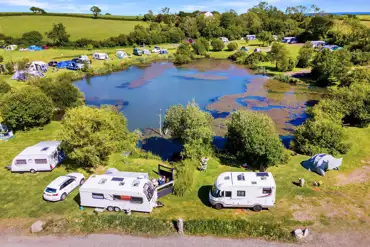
(82, 181)
(110, 208)
(63, 197)
(257, 208)
(218, 206)
(32, 171)
(117, 209)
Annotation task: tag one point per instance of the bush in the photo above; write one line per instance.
(32, 38)
(1, 59)
(91, 134)
(183, 54)
(4, 87)
(253, 138)
(237, 55)
(320, 136)
(255, 58)
(285, 64)
(217, 45)
(199, 48)
(232, 46)
(26, 108)
(286, 78)
(305, 55)
(204, 42)
(184, 177)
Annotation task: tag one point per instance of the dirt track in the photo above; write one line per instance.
(348, 239)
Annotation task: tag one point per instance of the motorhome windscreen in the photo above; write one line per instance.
(216, 192)
(148, 191)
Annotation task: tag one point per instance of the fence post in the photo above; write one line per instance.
(180, 226)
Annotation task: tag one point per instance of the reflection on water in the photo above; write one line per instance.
(218, 86)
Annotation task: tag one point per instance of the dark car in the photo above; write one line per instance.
(53, 63)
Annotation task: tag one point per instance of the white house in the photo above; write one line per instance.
(255, 190)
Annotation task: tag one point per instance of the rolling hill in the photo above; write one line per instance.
(96, 29)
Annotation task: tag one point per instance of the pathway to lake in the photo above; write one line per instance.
(218, 86)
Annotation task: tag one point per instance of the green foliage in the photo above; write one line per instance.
(360, 58)
(95, 10)
(204, 42)
(253, 138)
(9, 68)
(320, 136)
(185, 172)
(4, 87)
(26, 108)
(266, 37)
(286, 78)
(91, 134)
(183, 54)
(58, 34)
(305, 55)
(32, 38)
(253, 59)
(199, 48)
(319, 26)
(1, 59)
(235, 56)
(329, 67)
(280, 54)
(192, 126)
(217, 45)
(232, 46)
(37, 10)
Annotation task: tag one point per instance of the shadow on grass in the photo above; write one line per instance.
(203, 194)
(77, 199)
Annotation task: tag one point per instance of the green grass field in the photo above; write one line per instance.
(95, 29)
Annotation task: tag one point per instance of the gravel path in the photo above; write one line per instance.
(349, 239)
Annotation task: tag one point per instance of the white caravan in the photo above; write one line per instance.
(255, 190)
(121, 191)
(44, 156)
(100, 56)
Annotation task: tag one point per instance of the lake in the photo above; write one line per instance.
(218, 86)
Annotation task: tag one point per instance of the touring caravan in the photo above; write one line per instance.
(44, 156)
(100, 56)
(11, 47)
(255, 190)
(38, 66)
(121, 54)
(124, 191)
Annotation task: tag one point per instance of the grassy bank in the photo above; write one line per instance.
(95, 29)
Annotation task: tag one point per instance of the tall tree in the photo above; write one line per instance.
(58, 34)
(95, 10)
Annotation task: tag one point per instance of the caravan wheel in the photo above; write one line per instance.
(257, 208)
(110, 209)
(32, 171)
(117, 209)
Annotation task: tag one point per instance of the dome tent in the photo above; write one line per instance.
(320, 163)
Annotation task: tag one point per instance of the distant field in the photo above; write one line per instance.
(96, 29)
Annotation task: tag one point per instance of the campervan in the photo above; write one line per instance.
(137, 52)
(44, 156)
(251, 37)
(255, 190)
(100, 56)
(289, 40)
(124, 191)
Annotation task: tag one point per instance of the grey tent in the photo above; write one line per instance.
(320, 163)
(19, 75)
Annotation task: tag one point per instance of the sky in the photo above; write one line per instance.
(132, 7)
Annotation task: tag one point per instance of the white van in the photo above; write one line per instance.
(255, 190)
(100, 56)
(44, 156)
(123, 191)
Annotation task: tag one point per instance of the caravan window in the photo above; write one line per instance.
(41, 161)
(266, 191)
(240, 193)
(21, 162)
(97, 196)
(227, 193)
(148, 191)
(136, 200)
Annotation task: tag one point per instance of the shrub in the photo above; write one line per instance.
(32, 38)
(237, 55)
(26, 108)
(183, 54)
(217, 45)
(320, 136)
(232, 46)
(204, 42)
(91, 134)
(284, 64)
(286, 78)
(253, 138)
(199, 48)
(1, 59)
(9, 68)
(184, 177)
(255, 58)
(4, 87)
(305, 55)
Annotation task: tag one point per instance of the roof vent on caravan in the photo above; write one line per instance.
(45, 148)
(254, 182)
(263, 175)
(135, 183)
(121, 183)
(140, 177)
(241, 177)
(227, 178)
(102, 181)
(117, 179)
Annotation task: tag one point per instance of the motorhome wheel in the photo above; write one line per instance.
(257, 208)
(110, 209)
(218, 206)
(32, 171)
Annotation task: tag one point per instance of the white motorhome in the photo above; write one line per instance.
(255, 190)
(121, 191)
(100, 56)
(44, 156)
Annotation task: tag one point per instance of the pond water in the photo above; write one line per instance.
(218, 86)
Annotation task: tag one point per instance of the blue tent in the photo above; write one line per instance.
(34, 48)
(19, 75)
(63, 64)
(163, 51)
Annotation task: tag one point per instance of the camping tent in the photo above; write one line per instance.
(63, 64)
(121, 54)
(257, 50)
(38, 66)
(146, 52)
(5, 133)
(11, 47)
(34, 48)
(163, 51)
(320, 163)
(19, 75)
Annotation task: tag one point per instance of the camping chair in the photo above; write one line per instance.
(203, 166)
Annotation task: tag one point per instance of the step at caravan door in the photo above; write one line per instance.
(165, 189)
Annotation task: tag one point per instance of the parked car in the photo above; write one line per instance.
(156, 49)
(75, 66)
(62, 186)
(137, 52)
(53, 63)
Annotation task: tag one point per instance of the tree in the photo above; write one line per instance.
(204, 42)
(305, 55)
(217, 45)
(183, 54)
(4, 87)
(266, 37)
(95, 10)
(232, 46)
(252, 138)
(33, 37)
(26, 108)
(91, 134)
(320, 26)
(280, 54)
(149, 16)
(199, 48)
(320, 136)
(108, 14)
(58, 34)
(37, 10)
(192, 126)
(190, 27)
